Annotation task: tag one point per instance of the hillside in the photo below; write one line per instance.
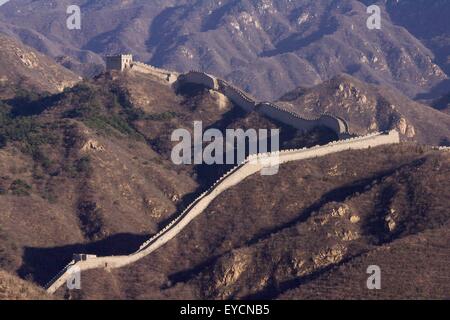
(427, 21)
(369, 108)
(334, 215)
(423, 259)
(14, 288)
(265, 47)
(21, 67)
(95, 161)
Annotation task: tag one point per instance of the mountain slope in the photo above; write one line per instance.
(427, 21)
(265, 47)
(369, 108)
(422, 259)
(95, 161)
(268, 236)
(21, 67)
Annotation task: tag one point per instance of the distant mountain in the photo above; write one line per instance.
(265, 47)
(21, 67)
(368, 108)
(428, 21)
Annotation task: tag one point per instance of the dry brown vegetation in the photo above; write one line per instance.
(89, 170)
(22, 67)
(14, 288)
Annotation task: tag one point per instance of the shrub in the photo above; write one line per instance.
(27, 131)
(104, 110)
(91, 219)
(20, 188)
(83, 165)
(165, 116)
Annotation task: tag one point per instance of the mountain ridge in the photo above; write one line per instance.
(266, 43)
(23, 68)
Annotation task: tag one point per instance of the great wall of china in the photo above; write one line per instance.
(270, 110)
(250, 166)
(165, 75)
(235, 95)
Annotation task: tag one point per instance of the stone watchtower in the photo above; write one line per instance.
(119, 62)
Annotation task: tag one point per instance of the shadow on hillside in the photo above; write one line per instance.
(339, 194)
(296, 41)
(435, 93)
(336, 195)
(188, 90)
(27, 103)
(275, 289)
(42, 264)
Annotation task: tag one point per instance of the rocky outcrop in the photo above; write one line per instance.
(405, 128)
(92, 145)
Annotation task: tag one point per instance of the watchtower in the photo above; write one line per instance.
(119, 62)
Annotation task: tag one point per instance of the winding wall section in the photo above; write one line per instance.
(271, 110)
(250, 166)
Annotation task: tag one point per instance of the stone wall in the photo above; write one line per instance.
(251, 165)
(271, 110)
(237, 96)
(247, 102)
(165, 75)
(200, 78)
